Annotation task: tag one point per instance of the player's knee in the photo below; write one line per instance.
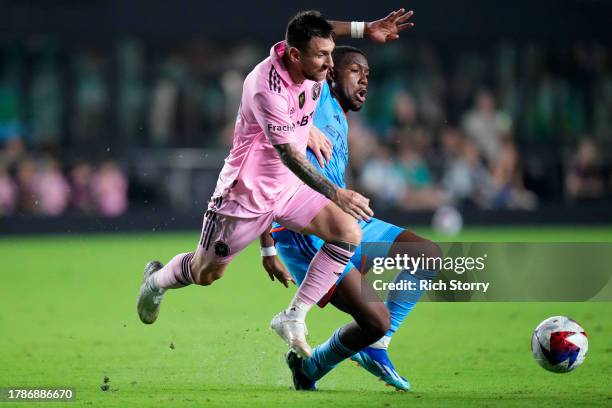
(205, 276)
(347, 232)
(432, 250)
(354, 234)
(378, 325)
(422, 246)
(209, 278)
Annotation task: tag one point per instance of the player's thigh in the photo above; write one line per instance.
(411, 244)
(332, 224)
(378, 238)
(354, 296)
(309, 212)
(383, 239)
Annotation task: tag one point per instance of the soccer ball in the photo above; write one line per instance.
(559, 344)
(447, 221)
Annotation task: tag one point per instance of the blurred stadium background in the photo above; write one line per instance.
(118, 115)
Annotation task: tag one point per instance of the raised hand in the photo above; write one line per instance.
(388, 28)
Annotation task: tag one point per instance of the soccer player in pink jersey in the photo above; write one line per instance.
(267, 176)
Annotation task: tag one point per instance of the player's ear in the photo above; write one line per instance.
(294, 54)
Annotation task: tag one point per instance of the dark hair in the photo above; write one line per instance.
(342, 50)
(304, 26)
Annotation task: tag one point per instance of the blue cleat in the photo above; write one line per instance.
(300, 381)
(377, 362)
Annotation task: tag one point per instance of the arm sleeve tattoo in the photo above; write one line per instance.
(301, 167)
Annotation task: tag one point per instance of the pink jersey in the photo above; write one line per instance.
(273, 110)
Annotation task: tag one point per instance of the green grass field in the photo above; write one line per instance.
(68, 319)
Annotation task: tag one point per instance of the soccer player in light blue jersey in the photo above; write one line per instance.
(365, 340)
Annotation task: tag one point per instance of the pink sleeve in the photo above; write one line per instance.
(272, 113)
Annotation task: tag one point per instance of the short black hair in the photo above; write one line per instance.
(342, 50)
(306, 25)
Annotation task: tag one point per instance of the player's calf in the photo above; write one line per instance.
(371, 318)
(342, 234)
(325, 268)
(374, 325)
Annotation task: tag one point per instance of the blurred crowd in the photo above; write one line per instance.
(504, 126)
(38, 184)
(476, 163)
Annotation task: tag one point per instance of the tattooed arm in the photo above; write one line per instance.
(349, 201)
(271, 110)
(301, 167)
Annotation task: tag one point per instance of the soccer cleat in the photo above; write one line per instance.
(293, 331)
(300, 381)
(377, 362)
(149, 297)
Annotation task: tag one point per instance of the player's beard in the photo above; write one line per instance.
(351, 101)
(318, 75)
(356, 107)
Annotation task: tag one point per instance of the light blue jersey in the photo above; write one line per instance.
(297, 250)
(331, 120)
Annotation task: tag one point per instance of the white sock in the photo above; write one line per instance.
(297, 310)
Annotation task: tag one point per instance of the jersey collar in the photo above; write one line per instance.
(333, 94)
(276, 54)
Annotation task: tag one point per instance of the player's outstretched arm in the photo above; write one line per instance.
(270, 261)
(349, 201)
(381, 31)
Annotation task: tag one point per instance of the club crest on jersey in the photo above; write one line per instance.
(316, 91)
(302, 99)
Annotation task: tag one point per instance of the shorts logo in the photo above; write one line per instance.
(221, 249)
(302, 99)
(316, 91)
